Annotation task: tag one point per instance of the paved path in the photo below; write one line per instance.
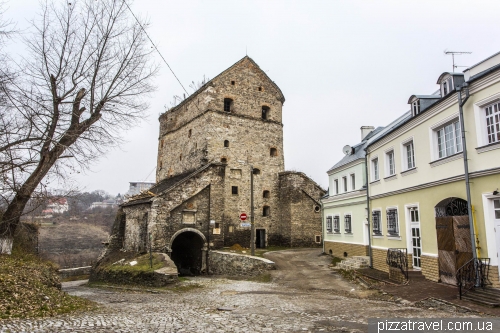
(304, 297)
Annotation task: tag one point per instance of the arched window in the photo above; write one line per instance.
(223, 160)
(273, 152)
(265, 112)
(226, 143)
(265, 194)
(228, 104)
(266, 211)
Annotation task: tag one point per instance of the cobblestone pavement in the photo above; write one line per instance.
(222, 305)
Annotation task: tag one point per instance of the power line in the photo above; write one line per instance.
(171, 70)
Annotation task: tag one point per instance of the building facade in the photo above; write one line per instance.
(418, 198)
(214, 147)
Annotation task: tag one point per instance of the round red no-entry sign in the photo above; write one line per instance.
(243, 216)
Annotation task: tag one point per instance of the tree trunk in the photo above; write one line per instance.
(6, 244)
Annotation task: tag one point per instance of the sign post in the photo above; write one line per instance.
(243, 216)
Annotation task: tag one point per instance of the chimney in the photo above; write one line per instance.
(365, 130)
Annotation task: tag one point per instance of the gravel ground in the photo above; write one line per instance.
(305, 296)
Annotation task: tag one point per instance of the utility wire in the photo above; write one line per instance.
(171, 70)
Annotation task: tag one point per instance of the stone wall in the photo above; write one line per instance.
(136, 228)
(300, 218)
(76, 271)
(337, 249)
(226, 263)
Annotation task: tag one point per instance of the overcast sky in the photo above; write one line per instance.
(340, 64)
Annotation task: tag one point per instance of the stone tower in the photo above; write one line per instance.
(208, 146)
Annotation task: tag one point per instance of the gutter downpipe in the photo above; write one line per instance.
(323, 224)
(370, 254)
(461, 103)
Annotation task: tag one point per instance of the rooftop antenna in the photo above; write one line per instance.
(453, 53)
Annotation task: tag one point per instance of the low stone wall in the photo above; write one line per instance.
(76, 271)
(226, 263)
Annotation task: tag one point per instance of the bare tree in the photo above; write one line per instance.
(82, 83)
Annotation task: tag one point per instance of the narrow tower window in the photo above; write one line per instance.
(265, 194)
(228, 104)
(226, 143)
(273, 152)
(266, 211)
(256, 171)
(232, 83)
(223, 160)
(234, 190)
(265, 112)
(189, 133)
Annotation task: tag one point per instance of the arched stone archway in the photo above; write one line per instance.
(453, 237)
(188, 251)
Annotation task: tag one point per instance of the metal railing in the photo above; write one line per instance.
(474, 273)
(398, 258)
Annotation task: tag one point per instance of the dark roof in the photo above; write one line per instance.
(209, 83)
(447, 73)
(424, 97)
(169, 182)
(359, 150)
(481, 61)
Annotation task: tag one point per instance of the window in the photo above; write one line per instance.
(317, 209)
(336, 224)
(328, 224)
(228, 104)
(493, 122)
(344, 183)
(317, 239)
(265, 194)
(161, 143)
(409, 158)
(265, 112)
(391, 167)
(223, 160)
(353, 182)
(347, 223)
(266, 211)
(392, 222)
(234, 190)
(447, 86)
(336, 186)
(415, 107)
(256, 171)
(216, 230)
(161, 165)
(375, 169)
(180, 157)
(230, 229)
(226, 143)
(259, 88)
(233, 83)
(189, 133)
(377, 230)
(414, 214)
(449, 139)
(496, 207)
(273, 152)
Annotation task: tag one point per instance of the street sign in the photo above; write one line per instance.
(243, 216)
(245, 224)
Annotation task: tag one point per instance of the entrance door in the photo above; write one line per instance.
(260, 238)
(415, 237)
(453, 238)
(496, 217)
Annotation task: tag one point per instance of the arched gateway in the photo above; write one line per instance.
(453, 237)
(189, 251)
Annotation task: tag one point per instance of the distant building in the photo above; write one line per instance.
(109, 203)
(138, 187)
(57, 206)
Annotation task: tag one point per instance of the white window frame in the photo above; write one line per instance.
(435, 137)
(396, 232)
(375, 171)
(348, 231)
(404, 154)
(380, 224)
(388, 165)
(449, 85)
(336, 185)
(352, 179)
(480, 118)
(336, 224)
(415, 107)
(329, 224)
(344, 184)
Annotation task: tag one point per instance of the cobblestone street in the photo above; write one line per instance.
(305, 296)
